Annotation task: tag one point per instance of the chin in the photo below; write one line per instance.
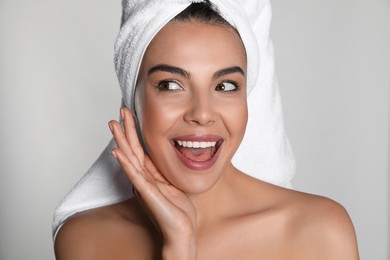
(196, 182)
(196, 187)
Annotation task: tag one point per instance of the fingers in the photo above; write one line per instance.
(149, 165)
(123, 144)
(168, 207)
(145, 187)
(131, 134)
(128, 142)
(135, 192)
(128, 166)
(139, 178)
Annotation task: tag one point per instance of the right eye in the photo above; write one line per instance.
(167, 85)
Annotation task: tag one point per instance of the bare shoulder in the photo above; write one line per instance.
(319, 228)
(293, 224)
(112, 232)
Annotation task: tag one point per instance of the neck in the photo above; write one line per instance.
(211, 205)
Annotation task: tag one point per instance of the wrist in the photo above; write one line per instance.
(185, 249)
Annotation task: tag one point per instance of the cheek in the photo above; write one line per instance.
(159, 117)
(151, 121)
(237, 127)
(235, 116)
(241, 121)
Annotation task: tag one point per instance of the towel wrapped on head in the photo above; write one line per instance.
(264, 153)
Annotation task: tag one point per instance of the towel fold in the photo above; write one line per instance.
(265, 152)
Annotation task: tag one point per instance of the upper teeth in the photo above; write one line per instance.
(190, 144)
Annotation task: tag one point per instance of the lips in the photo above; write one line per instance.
(197, 152)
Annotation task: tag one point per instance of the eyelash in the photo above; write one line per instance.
(235, 84)
(160, 86)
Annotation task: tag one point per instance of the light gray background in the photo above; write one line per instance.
(58, 91)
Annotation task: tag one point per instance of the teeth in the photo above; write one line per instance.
(190, 144)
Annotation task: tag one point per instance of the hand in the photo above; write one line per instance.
(169, 208)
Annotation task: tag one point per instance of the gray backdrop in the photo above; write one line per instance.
(59, 90)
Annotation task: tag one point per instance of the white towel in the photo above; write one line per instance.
(265, 152)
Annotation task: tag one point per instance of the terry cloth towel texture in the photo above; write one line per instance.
(265, 152)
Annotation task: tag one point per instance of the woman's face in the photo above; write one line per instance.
(193, 99)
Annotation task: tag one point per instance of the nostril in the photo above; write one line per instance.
(200, 109)
(201, 114)
(202, 121)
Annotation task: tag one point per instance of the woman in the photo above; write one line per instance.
(190, 202)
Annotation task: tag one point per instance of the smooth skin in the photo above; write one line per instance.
(217, 213)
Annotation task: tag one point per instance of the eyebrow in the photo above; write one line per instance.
(227, 71)
(186, 74)
(170, 69)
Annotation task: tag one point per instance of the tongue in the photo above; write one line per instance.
(196, 154)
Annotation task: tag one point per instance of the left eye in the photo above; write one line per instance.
(226, 86)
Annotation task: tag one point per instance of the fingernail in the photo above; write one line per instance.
(122, 111)
(110, 126)
(114, 155)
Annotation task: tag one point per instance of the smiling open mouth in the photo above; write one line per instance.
(197, 151)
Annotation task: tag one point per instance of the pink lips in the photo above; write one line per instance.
(198, 165)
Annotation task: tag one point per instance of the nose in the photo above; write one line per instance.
(201, 110)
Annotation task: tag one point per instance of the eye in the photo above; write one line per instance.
(167, 85)
(227, 86)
